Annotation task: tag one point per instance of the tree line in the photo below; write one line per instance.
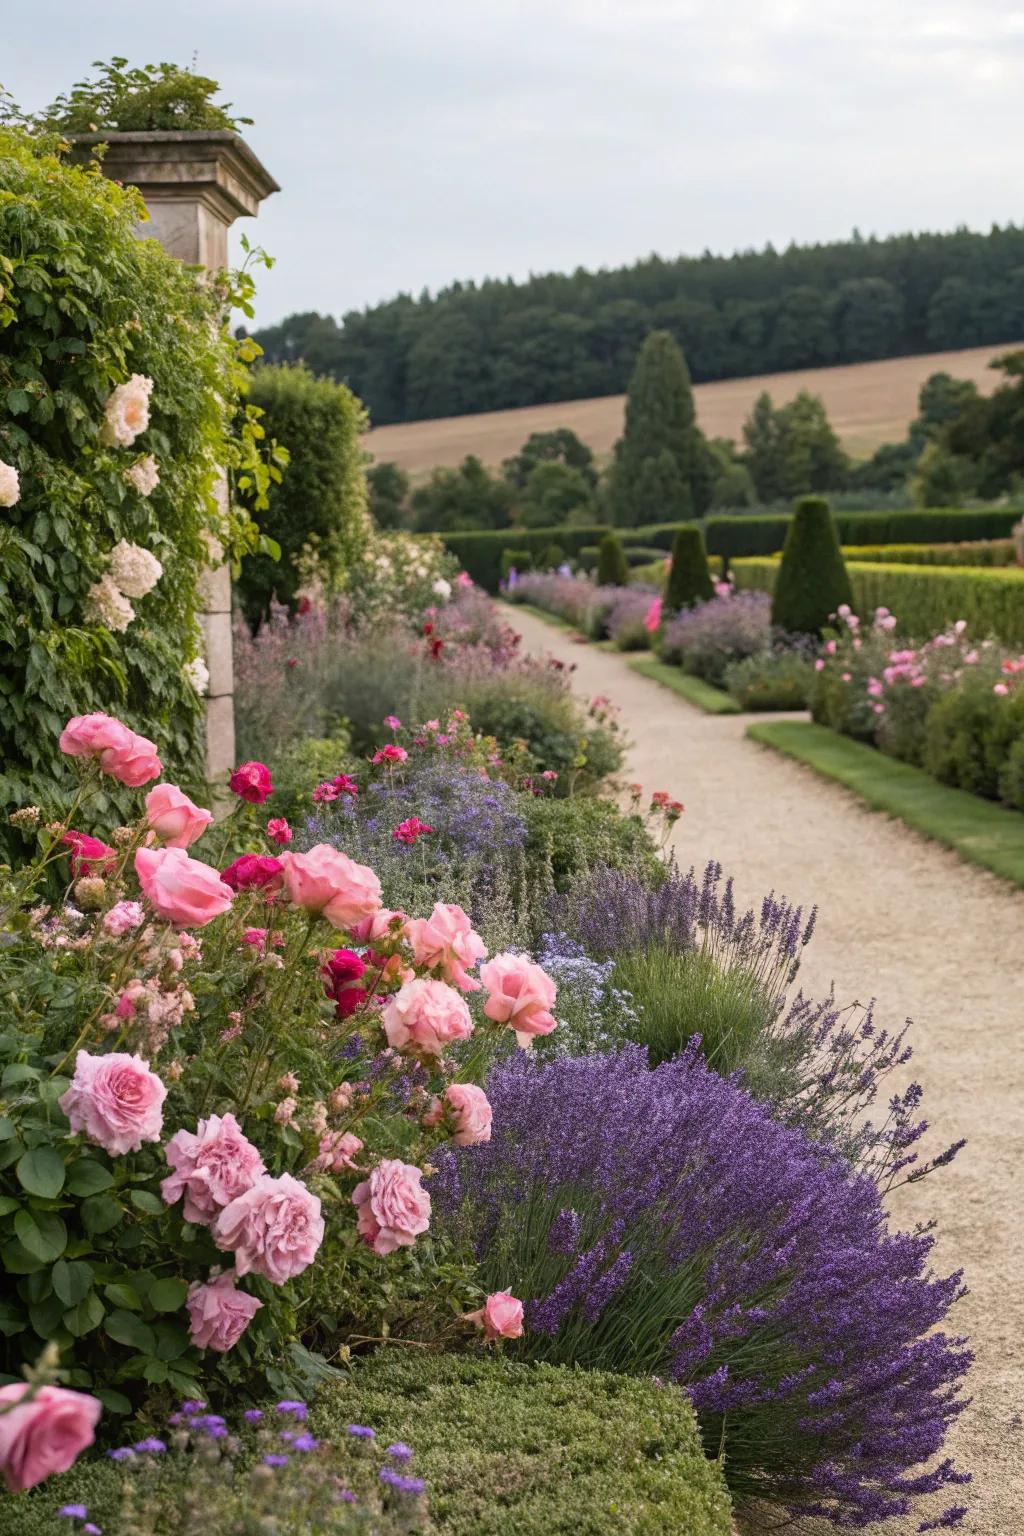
(500, 344)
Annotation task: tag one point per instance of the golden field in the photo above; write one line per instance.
(867, 403)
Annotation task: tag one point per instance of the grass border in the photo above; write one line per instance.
(982, 833)
(713, 701)
(554, 619)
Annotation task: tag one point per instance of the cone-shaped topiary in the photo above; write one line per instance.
(689, 580)
(612, 566)
(812, 579)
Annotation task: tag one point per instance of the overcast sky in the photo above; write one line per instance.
(417, 141)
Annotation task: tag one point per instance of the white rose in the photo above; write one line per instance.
(10, 486)
(144, 475)
(442, 588)
(127, 412)
(198, 674)
(105, 605)
(133, 570)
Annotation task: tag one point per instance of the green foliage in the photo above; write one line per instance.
(155, 96)
(661, 461)
(612, 565)
(388, 488)
(469, 497)
(689, 580)
(775, 679)
(585, 833)
(554, 492)
(302, 764)
(792, 450)
(84, 306)
(519, 560)
(679, 994)
(969, 735)
(321, 501)
(559, 446)
(812, 580)
(999, 552)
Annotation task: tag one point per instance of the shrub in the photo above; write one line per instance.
(681, 1231)
(612, 566)
(777, 679)
(981, 552)
(969, 734)
(302, 764)
(689, 580)
(630, 623)
(518, 560)
(584, 834)
(322, 499)
(812, 580)
(680, 994)
(708, 638)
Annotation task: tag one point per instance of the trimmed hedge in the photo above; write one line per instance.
(982, 552)
(924, 598)
(812, 581)
(479, 551)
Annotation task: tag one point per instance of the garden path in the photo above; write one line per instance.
(934, 939)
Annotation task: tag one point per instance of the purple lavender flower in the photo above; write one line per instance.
(252, 1415)
(399, 1483)
(121, 1453)
(305, 1442)
(361, 1431)
(728, 1253)
(707, 638)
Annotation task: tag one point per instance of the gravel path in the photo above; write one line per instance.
(934, 939)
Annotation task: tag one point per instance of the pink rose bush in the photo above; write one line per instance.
(181, 890)
(468, 1111)
(44, 1432)
(424, 1016)
(392, 1207)
(129, 758)
(219, 1313)
(520, 994)
(115, 1101)
(446, 943)
(500, 1317)
(174, 818)
(274, 1229)
(327, 882)
(210, 1168)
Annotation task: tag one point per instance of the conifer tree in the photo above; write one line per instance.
(813, 579)
(612, 565)
(660, 473)
(689, 580)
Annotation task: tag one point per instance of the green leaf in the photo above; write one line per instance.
(87, 1178)
(144, 1201)
(18, 401)
(171, 1341)
(47, 1316)
(168, 1295)
(122, 1296)
(17, 1260)
(100, 1213)
(83, 1318)
(42, 1233)
(7, 1128)
(71, 1280)
(114, 1402)
(155, 1371)
(125, 1328)
(7, 1205)
(41, 1172)
(12, 1319)
(19, 1072)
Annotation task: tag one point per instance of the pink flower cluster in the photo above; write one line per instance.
(119, 752)
(392, 1207)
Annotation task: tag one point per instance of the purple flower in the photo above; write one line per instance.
(121, 1453)
(400, 1451)
(297, 1409)
(399, 1483)
(361, 1431)
(193, 1405)
(274, 1460)
(345, 1496)
(151, 1446)
(304, 1442)
(91, 1530)
(73, 1512)
(252, 1415)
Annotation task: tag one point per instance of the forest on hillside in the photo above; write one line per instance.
(499, 344)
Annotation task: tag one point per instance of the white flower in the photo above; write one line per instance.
(198, 674)
(144, 475)
(442, 588)
(105, 605)
(133, 570)
(10, 486)
(127, 411)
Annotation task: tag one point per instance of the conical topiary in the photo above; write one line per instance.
(813, 579)
(612, 566)
(689, 580)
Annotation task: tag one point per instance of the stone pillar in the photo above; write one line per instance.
(195, 185)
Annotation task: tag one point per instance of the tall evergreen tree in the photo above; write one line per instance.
(660, 473)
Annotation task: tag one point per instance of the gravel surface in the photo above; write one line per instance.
(936, 940)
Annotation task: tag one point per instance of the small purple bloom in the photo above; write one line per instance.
(399, 1483)
(121, 1453)
(298, 1410)
(193, 1405)
(345, 1496)
(152, 1446)
(305, 1442)
(361, 1431)
(273, 1460)
(91, 1530)
(252, 1415)
(73, 1512)
(400, 1451)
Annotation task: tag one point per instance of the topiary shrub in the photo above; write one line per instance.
(689, 580)
(518, 560)
(322, 500)
(812, 580)
(612, 565)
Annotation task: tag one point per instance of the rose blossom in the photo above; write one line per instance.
(251, 782)
(470, 1113)
(129, 758)
(424, 1016)
(337, 1153)
(144, 475)
(10, 486)
(173, 816)
(393, 1209)
(127, 412)
(340, 971)
(446, 941)
(521, 995)
(278, 830)
(274, 1228)
(123, 917)
(115, 1101)
(254, 871)
(210, 1168)
(88, 855)
(389, 754)
(219, 1313)
(500, 1317)
(181, 890)
(326, 881)
(43, 1436)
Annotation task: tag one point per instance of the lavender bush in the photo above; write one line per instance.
(662, 1222)
(706, 639)
(628, 619)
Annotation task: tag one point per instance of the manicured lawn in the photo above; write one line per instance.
(714, 701)
(977, 830)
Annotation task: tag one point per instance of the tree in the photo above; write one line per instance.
(689, 580)
(732, 485)
(553, 492)
(660, 468)
(559, 446)
(467, 497)
(612, 565)
(802, 336)
(388, 486)
(792, 450)
(868, 319)
(762, 435)
(813, 580)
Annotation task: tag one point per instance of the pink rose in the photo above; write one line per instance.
(389, 754)
(470, 1112)
(251, 782)
(88, 855)
(338, 1150)
(326, 881)
(424, 1016)
(181, 890)
(446, 941)
(278, 830)
(254, 871)
(219, 1313)
(44, 1436)
(123, 917)
(115, 1101)
(392, 1207)
(500, 1317)
(521, 995)
(129, 758)
(274, 1229)
(173, 816)
(211, 1168)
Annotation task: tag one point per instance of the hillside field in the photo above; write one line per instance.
(868, 404)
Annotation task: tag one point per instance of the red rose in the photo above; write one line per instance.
(252, 871)
(251, 782)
